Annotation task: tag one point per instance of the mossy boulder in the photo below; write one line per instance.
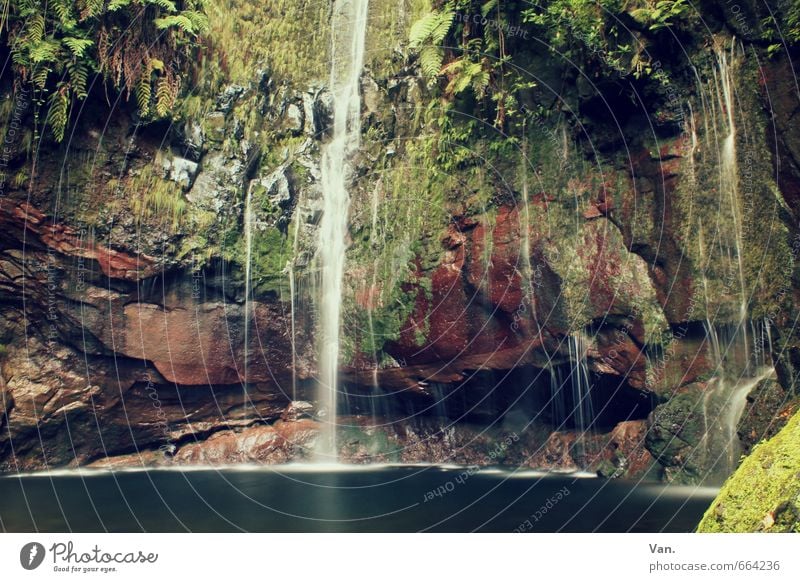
(764, 493)
(675, 434)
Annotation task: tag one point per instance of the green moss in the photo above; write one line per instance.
(271, 253)
(764, 493)
(152, 196)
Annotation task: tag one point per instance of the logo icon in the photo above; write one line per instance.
(31, 555)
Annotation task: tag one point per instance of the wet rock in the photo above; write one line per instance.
(768, 409)
(228, 97)
(294, 119)
(676, 432)
(297, 410)
(214, 127)
(180, 171)
(322, 114)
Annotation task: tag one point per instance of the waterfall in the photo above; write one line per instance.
(729, 168)
(570, 389)
(248, 288)
(525, 223)
(348, 32)
(735, 376)
(583, 410)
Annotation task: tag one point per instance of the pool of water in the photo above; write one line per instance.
(309, 498)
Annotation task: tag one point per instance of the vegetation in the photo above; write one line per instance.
(473, 44)
(764, 493)
(139, 47)
(152, 195)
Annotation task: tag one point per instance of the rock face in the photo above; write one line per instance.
(471, 300)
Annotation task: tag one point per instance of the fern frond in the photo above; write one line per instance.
(488, 7)
(44, 51)
(176, 21)
(165, 98)
(143, 91)
(34, 30)
(199, 20)
(430, 60)
(77, 46)
(90, 8)
(422, 29)
(163, 4)
(63, 9)
(78, 78)
(115, 5)
(444, 22)
(58, 115)
(39, 77)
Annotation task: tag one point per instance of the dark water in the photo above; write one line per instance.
(374, 499)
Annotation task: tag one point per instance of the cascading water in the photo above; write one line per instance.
(583, 410)
(348, 32)
(736, 373)
(736, 348)
(248, 289)
(729, 168)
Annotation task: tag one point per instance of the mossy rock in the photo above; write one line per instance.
(764, 493)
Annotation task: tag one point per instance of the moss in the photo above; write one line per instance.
(764, 493)
(728, 232)
(151, 196)
(271, 253)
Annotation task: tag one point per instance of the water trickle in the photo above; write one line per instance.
(739, 365)
(581, 384)
(729, 168)
(248, 290)
(348, 31)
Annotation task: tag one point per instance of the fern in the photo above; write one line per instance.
(78, 78)
(143, 89)
(488, 7)
(90, 8)
(443, 24)
(44, 51)
(422, 29)
(39, 77)
(74, 39)
(77, 46)
(58, 115)
(180, 21)
(198, 19)
(430, 60)
(164, 97)
(163, 4)
(35, 29)
(63, 9)
(115, 5)
(426, 36)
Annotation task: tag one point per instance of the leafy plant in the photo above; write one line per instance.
(427, 35)
(661, 14)
(139, 46)
(474, 49)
